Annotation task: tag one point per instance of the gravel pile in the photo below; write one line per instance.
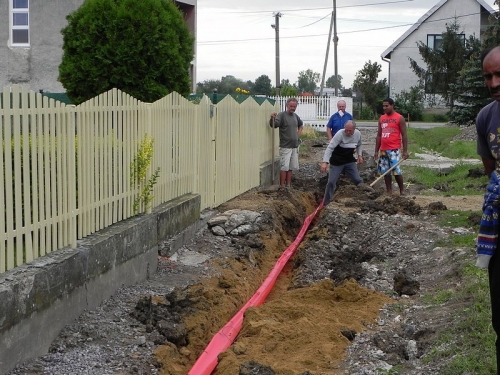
(468, 134)
(367, 244)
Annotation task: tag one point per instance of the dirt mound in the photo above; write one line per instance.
(305, 314)
(392, 205)
(326, 296)
(349, 301)
(302, 329)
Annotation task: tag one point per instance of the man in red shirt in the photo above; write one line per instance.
(390, 136)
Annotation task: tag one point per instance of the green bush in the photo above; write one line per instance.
(143, 48)
(364, 113)
(410, 103)
(435, 117)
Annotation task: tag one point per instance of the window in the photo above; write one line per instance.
(19, 23)
(435, 41)
(437, 83)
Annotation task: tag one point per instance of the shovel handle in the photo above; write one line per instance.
(387, 171)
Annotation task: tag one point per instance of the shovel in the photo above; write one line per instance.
(387, 171)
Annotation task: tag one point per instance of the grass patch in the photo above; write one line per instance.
(440, 140)
(434, 117)
(464, 240)
(470, 343)
(308, 132)
(438, 297)
(468, 346)
(457, 219)
(453, 182)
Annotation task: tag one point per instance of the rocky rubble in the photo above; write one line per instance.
(384, 244)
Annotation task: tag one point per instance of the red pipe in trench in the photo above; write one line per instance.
(207, 362)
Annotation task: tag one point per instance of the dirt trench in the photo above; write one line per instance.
(308, 320)
(352, 264)
(350, 301)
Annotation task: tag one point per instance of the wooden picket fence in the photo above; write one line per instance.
(67, 169)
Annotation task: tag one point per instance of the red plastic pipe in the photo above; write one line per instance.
(207, 362)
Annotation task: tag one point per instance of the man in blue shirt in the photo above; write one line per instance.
(488, 136)
(338, 119)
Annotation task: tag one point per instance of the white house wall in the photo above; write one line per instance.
(35, 66)
(401, 76)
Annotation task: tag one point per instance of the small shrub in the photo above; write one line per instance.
(435, 117)
(138, 170)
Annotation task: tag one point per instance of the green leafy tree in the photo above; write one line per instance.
(287, 89)
(410, 103)
(470, 90)
(491, 36)
(372, 90)
(141, 47)
(346, 92)
(226, 85)
(262, 85)
(443, 64)
(334, 82)
(308, 81)
(250, 85)
(208, 86)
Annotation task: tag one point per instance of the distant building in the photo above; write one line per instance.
(31, 41)
(327, 91)
(472, 15)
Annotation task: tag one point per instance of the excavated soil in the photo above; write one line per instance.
(348, 302)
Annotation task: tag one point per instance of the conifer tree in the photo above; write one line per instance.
(141, 47)
(470, 90)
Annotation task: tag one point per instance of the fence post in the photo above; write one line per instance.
(214, 96)
(73, 175)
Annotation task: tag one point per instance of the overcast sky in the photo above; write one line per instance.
(235, 37)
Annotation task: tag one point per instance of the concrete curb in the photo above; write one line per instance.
(38, 299)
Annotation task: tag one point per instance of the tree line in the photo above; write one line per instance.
(145, 49)
(366, 88)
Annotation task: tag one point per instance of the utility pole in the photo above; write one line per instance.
(276, 27)
(335, 42)
(333, 24)
(326, 56)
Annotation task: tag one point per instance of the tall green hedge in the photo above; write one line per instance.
(141, 47)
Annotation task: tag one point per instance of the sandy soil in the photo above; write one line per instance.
(349, 302)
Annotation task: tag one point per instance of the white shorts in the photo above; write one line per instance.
(289, 159)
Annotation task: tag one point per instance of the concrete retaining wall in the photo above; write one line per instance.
(38, 299)
(266, 173)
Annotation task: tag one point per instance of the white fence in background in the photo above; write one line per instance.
(315, 111)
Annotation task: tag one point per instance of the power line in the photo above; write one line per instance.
(322, 8)
(343, 19)
(318, 35)
(315, 22)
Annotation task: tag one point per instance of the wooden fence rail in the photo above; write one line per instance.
(67, 169)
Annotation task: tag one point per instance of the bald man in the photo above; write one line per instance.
(338, 120)
(340, 156)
